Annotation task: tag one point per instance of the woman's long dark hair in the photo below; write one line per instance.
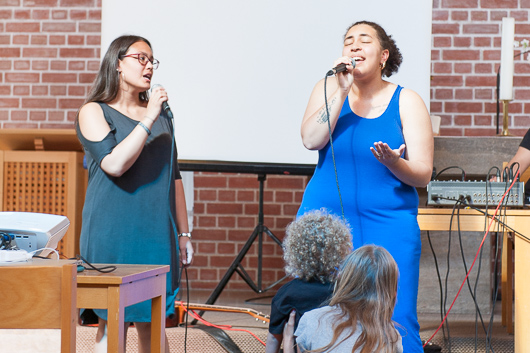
(107, 82)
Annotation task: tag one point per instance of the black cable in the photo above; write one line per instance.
(439, 280)
(451, 167)
(331, 145)
(103, 269)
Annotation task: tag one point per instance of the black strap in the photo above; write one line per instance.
(221, 337)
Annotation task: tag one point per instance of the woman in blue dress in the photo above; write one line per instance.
(135, 205)
(381, 149)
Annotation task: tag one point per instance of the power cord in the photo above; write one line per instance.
(89, 266)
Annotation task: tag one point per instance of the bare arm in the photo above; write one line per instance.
(273, 343)
(289, 344)
(185, 247)
(416, 168)
(522, 156)
(94, 127)
(315, 130)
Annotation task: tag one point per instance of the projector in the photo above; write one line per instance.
(33, 232)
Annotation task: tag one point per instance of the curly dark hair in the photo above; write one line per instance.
(315, 245)
(387, 42)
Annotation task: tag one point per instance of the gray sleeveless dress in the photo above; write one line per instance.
(126, 220)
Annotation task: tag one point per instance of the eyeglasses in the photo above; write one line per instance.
(143, 59)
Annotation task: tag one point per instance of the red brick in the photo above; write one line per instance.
(55, 115)
(479, 132)
(207, 195)
(463, 120)
(94, 14)
(21, 65)
(207, 221)
(58, 90)
(463, 68)
(462, 42)
(37, 116)
(483, 94)
(54, 27)
(443, 94)
(6, 40)
(9, 102)
(89, 27)
(22, 77)
(464, 93)
(482, 41)
(6, 14)
(58, 65)
(246, 195)
(225, 248)
(39, 90)
(41, 14)
(451, 28)
(217, 181)
(452, 81)
(76, 65)
(495, 4)
(39, 103)
(76, 40)
(22, 14)
(224, 208)
(77, 53)
(39, 53)
(442, 42)
(78, 15)
(458, 55)
(71, 103)
(40, 40)
(59, 77)
(227, 195)
(483, 120)
(481, 81)
(480, 28)
(442, 68)
(459, 3)
(59, 14)
(57, 39)
(226, 222)
(484, 68)
(479, 15)
(22, 27)
(459, 16)
(246, 222)
(460, 107)
(10, 52)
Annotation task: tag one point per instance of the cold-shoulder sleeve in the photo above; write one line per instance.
(98, 149)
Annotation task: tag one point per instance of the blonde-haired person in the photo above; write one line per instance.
(314, 247)
(359, 316)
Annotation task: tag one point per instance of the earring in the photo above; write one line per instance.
(382, 65)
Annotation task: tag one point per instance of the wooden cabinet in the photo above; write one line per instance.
(44, 179)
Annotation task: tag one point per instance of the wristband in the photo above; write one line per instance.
(188, 235)
(145, 128)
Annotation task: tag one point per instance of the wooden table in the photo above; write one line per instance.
(439, 219)
(128, 285)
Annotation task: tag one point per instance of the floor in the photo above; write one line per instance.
(238, 304)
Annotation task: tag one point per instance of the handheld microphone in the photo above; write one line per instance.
(340, 68)
(165, 106)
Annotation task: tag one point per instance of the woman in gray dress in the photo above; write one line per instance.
(135, 206)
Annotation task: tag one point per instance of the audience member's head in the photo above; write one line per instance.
(315, 245)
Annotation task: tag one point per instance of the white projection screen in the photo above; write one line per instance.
(239, 72)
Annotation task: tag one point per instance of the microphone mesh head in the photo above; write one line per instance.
(353, 63)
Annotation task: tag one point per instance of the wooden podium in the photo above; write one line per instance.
(41, 170)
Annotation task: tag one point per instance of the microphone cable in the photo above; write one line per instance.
(332, 149)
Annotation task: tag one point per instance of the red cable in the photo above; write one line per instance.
(222, 327)
(475, 259)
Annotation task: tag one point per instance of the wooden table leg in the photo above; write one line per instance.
(522, 295)
(158, 315)
(507, 282)
(115, 324)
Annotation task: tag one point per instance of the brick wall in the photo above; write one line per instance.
(466, 40)
(49, 51)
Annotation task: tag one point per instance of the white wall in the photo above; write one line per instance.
(239, 72)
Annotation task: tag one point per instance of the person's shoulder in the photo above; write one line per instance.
(90, 108)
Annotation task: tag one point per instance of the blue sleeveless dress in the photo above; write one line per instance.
(380, 208)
